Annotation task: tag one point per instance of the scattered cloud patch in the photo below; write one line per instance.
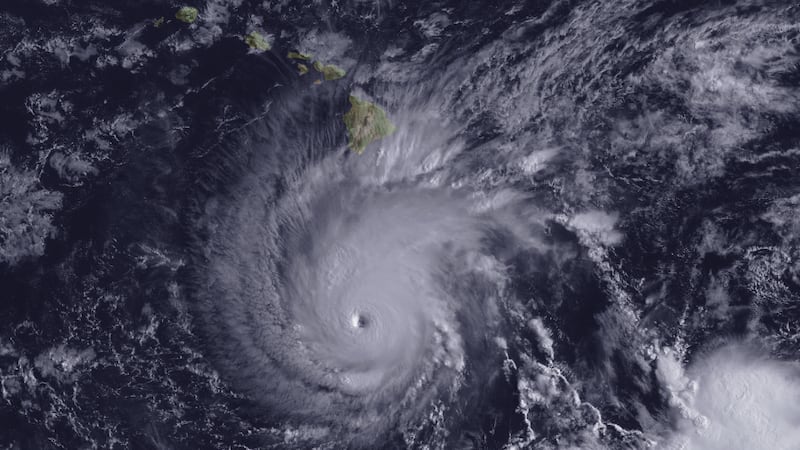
(26, 212)
(598, 225)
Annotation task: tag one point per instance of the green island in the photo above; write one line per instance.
(329, 71)
(256, 41)
(366, 122)
(298, 55)
(187, 14)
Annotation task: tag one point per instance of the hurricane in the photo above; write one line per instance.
(360, 293)
(357, 224)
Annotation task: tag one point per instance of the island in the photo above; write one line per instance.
(187, 14)
(366, 122)
(329, 71)
(298, 55)
(256, 41)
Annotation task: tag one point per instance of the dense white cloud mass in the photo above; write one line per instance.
(733, 399)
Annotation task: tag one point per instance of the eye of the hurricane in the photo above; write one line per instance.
(359, 320)
(342, 303)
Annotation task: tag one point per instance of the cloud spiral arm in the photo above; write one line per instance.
(345, 297)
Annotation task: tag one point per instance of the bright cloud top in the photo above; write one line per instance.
(734, 399)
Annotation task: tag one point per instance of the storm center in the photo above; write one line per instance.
(359, 320)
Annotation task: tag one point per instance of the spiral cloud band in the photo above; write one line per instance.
(359, 294)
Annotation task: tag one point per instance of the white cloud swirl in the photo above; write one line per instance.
(340, 293)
